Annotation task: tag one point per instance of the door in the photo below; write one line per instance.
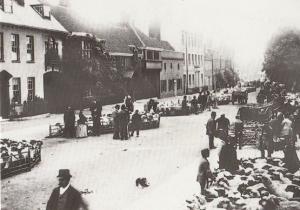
(4, 93)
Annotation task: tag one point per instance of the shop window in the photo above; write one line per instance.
(156, 55)
(163, 85)
(149, 55)
(171, 85)
(179, 84)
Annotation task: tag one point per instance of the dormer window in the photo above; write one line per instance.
(42, 10)
(6, 6)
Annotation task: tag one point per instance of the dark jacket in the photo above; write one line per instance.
(136, 119)
(74, 200)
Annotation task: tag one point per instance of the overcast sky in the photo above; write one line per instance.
(245, 26)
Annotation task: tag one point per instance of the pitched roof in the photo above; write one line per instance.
(152, 42)
(26, 16)
(117, 36)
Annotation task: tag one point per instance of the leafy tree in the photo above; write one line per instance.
(282, 59)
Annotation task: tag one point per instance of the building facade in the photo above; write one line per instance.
(171, 75)
(31, 45)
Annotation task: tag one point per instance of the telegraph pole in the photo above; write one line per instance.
(186, 65)
(212, 71)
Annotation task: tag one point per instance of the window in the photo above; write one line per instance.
(6, 6)
(189, 58)
(163, 85)
(42, 10)
(202, 81)
(86, 49)
(149, 55)
(193, 59)
(179, 84)
(2, 5)
(15, 48)
(178, 66)
(184, 58)
(171, 85)
(16, 85)
(30, 48)
(165, 66)
(171, 65)
(190, 79)
(1, 47)
(193, 79)
(31, 88)
(184, 81)
(156, 55)
(199, 60)
(51, 44)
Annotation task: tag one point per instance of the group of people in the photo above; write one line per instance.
(220, 127)
(204, 101)
(70, 131)
(284, 127)
(121, 119)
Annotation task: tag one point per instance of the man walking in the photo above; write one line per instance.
(211, 129)
(65, 197)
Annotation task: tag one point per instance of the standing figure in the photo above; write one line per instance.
(266, 141)
(136, 123)
(124, 119)
(194, 105)
(223, 127)
(81, 129)
(211, 129)
(184, 106)
(69, 120)
(238, 130)
(228, 157)
(204, 172)
(116, 122)
(65, 196)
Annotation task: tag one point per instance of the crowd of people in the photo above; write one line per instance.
(280, 133)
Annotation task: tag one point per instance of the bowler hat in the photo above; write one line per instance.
(64, 173)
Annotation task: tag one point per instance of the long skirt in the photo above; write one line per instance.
(81, 131)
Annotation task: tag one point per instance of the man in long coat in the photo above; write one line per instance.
(65, 197)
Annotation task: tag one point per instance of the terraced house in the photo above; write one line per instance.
(30, 48)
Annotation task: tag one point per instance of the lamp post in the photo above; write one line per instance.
(212, 71)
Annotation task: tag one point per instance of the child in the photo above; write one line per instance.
(136, 123)
(204, 172)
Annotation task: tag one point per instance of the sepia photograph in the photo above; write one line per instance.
(150, 104)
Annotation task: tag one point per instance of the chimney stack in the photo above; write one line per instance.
(154, 30)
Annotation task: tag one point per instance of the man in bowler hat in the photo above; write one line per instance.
(65, 197)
